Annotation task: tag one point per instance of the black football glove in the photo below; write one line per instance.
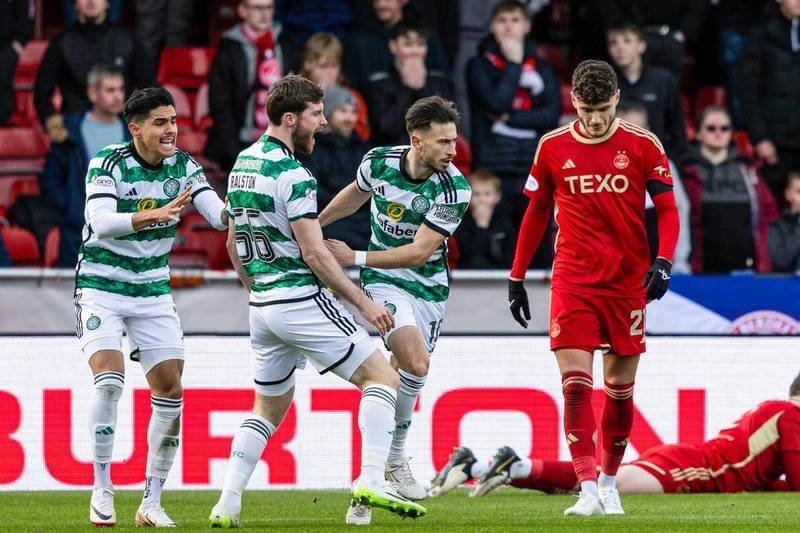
(518, 301)
(657, 279)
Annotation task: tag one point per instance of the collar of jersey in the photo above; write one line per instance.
(142, 162)
(580, 137)
(403, 169)
(275, 140)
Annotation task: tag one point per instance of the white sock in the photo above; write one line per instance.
(246, 449)
(589, 487)
(479, 469)
(376, 422)
(410, 387)
(604, 481)
(103, 423)
(163, 435)
(152, 490)
(521, 469)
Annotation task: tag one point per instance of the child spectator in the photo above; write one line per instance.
(322, 64)
(784, 233)
(732, 206)
(334, 162)
(486, 238)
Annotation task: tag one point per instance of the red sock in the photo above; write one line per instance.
(579, 424)
(615, 425)
(552, 477)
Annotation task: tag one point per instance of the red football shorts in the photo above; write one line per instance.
(591, 321)
(680, 468)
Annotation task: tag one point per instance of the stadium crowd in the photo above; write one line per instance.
(716, 80)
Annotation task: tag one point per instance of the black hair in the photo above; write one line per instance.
(142, 101)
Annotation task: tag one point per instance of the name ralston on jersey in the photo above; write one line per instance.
(399, 206)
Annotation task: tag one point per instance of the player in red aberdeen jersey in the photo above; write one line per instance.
(596, 171)
(749, 456)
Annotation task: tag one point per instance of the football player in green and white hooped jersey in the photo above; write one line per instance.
(135, 192)
(418, 200)
(275, 243)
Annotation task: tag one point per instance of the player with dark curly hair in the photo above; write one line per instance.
(596, 170)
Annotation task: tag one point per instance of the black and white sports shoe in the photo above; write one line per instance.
(458, 470)
(499, 472)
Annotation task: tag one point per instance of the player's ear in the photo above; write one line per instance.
(290, 119)
(415, 140)
(134, 128)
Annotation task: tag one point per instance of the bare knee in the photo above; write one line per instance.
(418, 366)
(169, 390)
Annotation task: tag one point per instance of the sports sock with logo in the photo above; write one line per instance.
(376, 422)
(246, 449)
(552, 477)
(410, 387)
(103, 423)
(163, 438)
(615, 424)
(579, 424)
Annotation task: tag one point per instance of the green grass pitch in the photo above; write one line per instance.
(503, 510)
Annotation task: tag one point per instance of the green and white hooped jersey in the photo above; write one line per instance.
(267, 189)
(400, 205)
(135, 264)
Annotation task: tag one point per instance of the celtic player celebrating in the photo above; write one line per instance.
(418, 200)
(134, 195)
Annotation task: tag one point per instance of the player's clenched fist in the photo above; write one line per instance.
(377, 315)
(518, 302)
(657, 279)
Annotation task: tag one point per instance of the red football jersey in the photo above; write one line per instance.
(598, 185)
(748, 455)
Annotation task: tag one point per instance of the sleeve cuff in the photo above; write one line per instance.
(311, 215)
(436, 228)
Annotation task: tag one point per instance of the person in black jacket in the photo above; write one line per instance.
(784, 233)
(486, 237)
(392, 92)
(654, 87)
(250, 57)
(16, 28)
(334, 162)
(70, 55)
(768, 83)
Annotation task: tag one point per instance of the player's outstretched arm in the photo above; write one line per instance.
(308, 233)
(233, 253)
(344, 204)
(415, 254)
(168, 213)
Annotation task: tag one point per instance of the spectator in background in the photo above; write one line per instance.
(515, 99)
(654, 87)
(486, 237)
(160, 24)
(334, 162)
(391, 93)
(636, 113)
(784, 233)
(322, 64)
(668, 27)
(731, 205)
(70, 56)
(62, 180)
(71, 14)
(16, 28)
(5, 260)
(366, 51)
(302, 19)
(768, 86)
(250, 57)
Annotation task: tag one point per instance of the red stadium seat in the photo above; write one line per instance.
(6, 182)
(463, 160)
(182, 106)
(24, 114)
(213, 243)
(186, 67)
(22, 143)
(202, 118)
(21, 245)
(28, 64)
(710, 95)
(566, 99)
(51, 247)
(558, 57)
(22, 186)
(188, 252)
(191, 141)
(744, 145)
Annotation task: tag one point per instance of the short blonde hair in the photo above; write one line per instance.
(322, 45)
(483, 175)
